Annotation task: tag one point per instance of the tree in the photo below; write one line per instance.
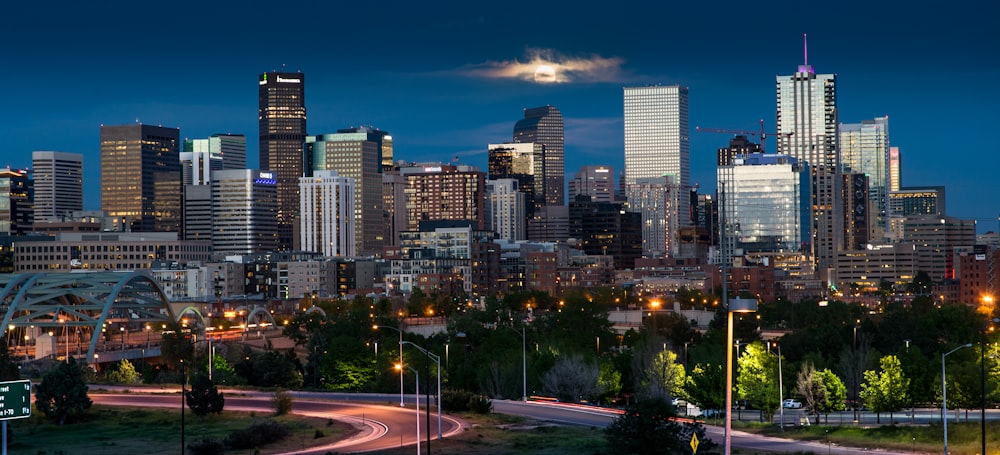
(810, 387)
(572, 378)
(706, 386)
(647, 428)
(122, 373)
(836, 392)
(204, 397)
(758, 378)
(9, 370)
(886, 390)
(665, 378)
(63, 392)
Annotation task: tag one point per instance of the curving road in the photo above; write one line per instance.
(380, 427)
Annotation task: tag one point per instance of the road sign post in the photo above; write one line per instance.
(15, 403)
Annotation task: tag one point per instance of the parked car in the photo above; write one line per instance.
(791, 403)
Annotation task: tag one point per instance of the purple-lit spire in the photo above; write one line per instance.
(804, 67)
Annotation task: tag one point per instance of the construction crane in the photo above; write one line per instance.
(761, 135)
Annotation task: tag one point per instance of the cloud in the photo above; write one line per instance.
(545, 66)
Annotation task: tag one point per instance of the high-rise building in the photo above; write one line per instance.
(220, 151)
(505, 209)
(197, 205)
(657, 136)
(598, 182)
(58, 184)
(442, 192)
(281, 111)
(244, 212)
(544, 125)
(911, 201)
(524, 162)
(895, 166)
(16, 194)
(767, 203)
(357, 153)
(656, 200)
(739, 147)
(606, 229)
(327, 214)
(394, 204)
(807, 130)
(864, 149)
(141, 177)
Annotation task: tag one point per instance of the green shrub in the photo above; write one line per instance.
(281, 402)
(479, 404)
(456, 400)
(206, 447)
(257, 435)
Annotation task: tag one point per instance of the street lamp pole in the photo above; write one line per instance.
(736, 305)
(944, 395)
(781, 391)
(376, 327)
(416, 375)
(437, 359)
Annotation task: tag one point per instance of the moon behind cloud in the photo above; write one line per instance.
(545, 74)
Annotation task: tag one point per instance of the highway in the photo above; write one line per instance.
(382, 424)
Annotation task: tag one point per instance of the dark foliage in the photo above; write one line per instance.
(62, 393)
(206, 447)
(648, 428)
(257, 435)
(204, 397)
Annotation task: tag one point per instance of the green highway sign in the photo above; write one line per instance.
(15, 399)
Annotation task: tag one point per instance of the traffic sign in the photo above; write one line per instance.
(15, 399)
(694, 443)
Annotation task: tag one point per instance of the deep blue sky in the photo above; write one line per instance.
(419, 70)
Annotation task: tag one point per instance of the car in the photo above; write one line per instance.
(791, 403)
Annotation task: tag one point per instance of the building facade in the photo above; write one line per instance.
(58, 184)
(657, 136)
(505, 210)
(281, 114)
(357, 153)
(107, 251)
(444, 193)
(16, 194)
(141, 177)
(244, 212)
(598, 182)
(807, 130)
(524, 162)
(327, 214)
(544, 125)
(864, 150)
(767, 203)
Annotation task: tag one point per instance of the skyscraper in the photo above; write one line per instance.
(598, 182)
(244, 209)
(58, 184)
(220, 151)
(657, 146)
(327, 211)
(357, 153)
(864, 149)
(281, 112)
(16, 194)
(807, 130)
(505, 209)
(544, 125)
(141, 176)
(524, 162)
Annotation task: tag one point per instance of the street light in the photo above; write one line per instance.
(399, 367)
(944, 395)
(736, 305)
(781, 391)
(437, 359)
(376, 327)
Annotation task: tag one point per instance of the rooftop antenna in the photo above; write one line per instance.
(805, 50)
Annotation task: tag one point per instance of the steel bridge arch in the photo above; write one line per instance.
(254, 314)
(82, 300)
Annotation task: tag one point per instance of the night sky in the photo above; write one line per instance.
(447, 78)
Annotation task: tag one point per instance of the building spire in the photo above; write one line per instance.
(805, 50)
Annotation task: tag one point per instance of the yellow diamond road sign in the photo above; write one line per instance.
(694, 443)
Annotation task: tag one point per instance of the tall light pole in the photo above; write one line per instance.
(376, 327)
(437, 359)
(781, 391)
(416, 375)
(736, 305)
(944, 395)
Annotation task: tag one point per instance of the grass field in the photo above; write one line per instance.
(156, 432)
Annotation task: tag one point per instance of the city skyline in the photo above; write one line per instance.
(451, 85)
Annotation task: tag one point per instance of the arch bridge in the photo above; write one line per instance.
(81, 308)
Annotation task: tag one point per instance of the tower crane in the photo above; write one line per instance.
(762, 135)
